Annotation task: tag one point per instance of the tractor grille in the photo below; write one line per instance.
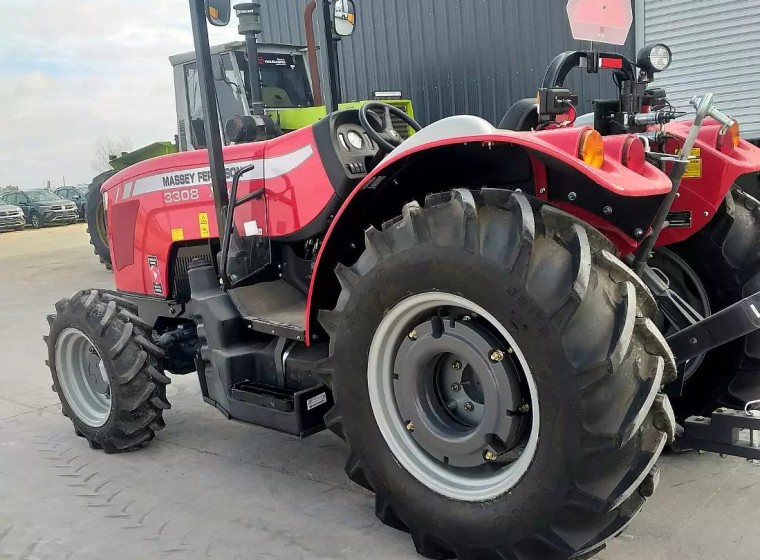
(180, 264)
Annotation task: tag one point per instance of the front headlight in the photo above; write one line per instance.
(655, 57)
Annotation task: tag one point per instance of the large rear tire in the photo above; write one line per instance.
(552, 336)
(106, 371)
(725, 256)
(95, 216)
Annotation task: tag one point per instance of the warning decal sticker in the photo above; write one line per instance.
(203, 224)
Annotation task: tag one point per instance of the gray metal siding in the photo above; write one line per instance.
(450, 56)
(715, 48)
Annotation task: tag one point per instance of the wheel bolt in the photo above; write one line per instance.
(497, 356)
(413, 335)
(455, 387)
(469, 407)
(524, 408)
(457, 365)
(489, 455)
(410, 426)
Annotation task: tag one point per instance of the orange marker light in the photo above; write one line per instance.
(351, 18)
(729, 140)
(213, 12)
(735, 133)
(591, 148)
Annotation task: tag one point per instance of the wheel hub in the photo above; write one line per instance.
(453, 396)
(461, 403)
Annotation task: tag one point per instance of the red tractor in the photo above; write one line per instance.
(493, 319)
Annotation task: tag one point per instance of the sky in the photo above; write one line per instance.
(75, 71)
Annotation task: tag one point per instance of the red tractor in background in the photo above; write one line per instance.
(488, 317)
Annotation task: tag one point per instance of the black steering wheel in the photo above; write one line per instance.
(382, 132)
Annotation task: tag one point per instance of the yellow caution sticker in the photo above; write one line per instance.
(203, 224)
(178, 234)
(694, 167)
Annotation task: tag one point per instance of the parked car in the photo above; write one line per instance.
(42, 207)
(11, 217)
(78, 195)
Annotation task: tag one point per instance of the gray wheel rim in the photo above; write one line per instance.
(467, 481)
(82, 377)
(35, 220)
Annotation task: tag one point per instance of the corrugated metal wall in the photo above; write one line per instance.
(449, 56)
(715, 48)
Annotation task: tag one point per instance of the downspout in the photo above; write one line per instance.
(311, 51)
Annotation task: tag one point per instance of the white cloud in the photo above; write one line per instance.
(72, 72)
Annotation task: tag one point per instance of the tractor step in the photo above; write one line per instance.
(727, 431)
(299, 413)
(273, 308)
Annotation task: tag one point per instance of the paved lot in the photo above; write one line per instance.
(210, 488)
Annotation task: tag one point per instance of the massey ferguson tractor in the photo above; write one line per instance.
(496, 321)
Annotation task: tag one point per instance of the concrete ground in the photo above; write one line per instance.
(211, 488)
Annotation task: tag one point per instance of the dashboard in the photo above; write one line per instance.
(345, 149)
(355, 146)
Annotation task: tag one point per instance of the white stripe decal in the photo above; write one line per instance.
(268, 168)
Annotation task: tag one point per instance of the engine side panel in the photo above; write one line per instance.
(168, 201)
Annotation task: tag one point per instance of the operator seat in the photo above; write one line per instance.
(521, 117)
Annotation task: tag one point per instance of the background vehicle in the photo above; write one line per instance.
(471, 309)
(11, 217)
(77, 195)
(42, 207)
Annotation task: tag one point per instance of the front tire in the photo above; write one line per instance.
(35, 220)
(556, 333)
(106, 371)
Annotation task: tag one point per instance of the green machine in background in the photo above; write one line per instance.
(288, 91)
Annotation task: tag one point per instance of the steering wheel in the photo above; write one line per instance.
(382, 132)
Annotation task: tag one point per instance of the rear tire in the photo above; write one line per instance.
(127, 413)
(578, 317)
(95, 216)
(725, 255)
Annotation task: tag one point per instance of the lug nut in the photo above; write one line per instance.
(410, 426)
(413, 335)
(457, 364)
(469, 407)
(524, 408)
(497, 356)
(489, 455)
(455, 387)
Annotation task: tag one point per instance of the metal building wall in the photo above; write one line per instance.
(715, 48)
(450, 56)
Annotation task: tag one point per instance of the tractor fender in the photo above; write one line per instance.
(708, 178)
(467, 151)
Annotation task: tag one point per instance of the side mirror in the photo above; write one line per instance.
(218, 12)
(344, 18)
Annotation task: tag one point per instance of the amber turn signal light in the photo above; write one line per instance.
(591, 148)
